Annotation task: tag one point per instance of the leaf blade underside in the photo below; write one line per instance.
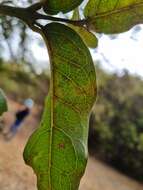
(57, 151)
(113, 16)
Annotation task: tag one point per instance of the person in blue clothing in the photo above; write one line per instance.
(19, 118)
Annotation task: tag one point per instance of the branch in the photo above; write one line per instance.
(74, 22)
(27, 15)
(30, 15)
(10, 11)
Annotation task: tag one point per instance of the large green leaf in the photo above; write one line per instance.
(88, 37)
(55, 6)
(3, 102)
(113, 16)
(57, 151)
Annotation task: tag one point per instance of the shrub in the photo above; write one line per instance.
(116, 122)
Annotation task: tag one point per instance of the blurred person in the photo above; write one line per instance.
(19, 118)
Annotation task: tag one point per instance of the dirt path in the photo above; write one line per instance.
(15, 175)
(99, 176)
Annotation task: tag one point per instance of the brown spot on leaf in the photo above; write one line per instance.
(61, 146)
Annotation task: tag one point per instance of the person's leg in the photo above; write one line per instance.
(14, 127)
(13, 130)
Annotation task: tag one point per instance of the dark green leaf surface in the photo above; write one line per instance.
(56, 6)
(3, 102)
(57, 151)
(113, 16)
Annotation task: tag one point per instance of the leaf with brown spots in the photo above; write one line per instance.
(57, 151)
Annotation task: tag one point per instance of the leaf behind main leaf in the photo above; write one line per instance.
(88, 37)
(57, 151)
(113, 16)
(56, 6)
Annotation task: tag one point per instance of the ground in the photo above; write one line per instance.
(15, 175)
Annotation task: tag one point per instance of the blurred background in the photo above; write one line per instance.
(116, 121)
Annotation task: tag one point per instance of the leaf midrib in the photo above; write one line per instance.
(52, 111)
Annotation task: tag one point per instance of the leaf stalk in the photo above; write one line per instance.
(30, 16)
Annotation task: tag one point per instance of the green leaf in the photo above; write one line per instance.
(110, 16)
(76, 14)
(3, 102)
(88, 37)
(56, 6)
(57, 151)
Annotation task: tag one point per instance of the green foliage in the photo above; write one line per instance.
(58, 149)
(15, 77)
(56, 6)
(112, 16)
(117, 123)
(3, 102)
(88, 37)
